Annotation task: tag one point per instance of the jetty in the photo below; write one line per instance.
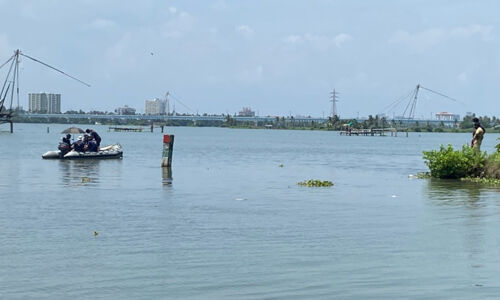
(125, 129)
(371, 132)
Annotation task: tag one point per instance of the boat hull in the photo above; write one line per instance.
(108, 152)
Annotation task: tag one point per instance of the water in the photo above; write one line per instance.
(231, 223)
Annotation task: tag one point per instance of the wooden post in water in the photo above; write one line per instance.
(11, 127)
(151, 127)
(168, 149)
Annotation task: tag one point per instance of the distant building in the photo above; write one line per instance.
(445, 116)
(43, 103)
(125, 110)
(246, 112)
(155, 107)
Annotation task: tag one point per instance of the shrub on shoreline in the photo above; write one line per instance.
(448, 163)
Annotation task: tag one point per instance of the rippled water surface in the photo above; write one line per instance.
(229, 222)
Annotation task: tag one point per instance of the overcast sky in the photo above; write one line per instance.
(277, 57)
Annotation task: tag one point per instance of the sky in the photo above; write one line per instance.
(276, 57)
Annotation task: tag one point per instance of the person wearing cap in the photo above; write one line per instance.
(79, 145)
(477, 135)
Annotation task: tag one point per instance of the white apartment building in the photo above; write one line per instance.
(43, 103)
(155, 107)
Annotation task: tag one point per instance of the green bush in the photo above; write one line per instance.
(492, 166)
(450, 163)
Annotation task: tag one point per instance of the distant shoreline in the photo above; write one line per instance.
(319, 127)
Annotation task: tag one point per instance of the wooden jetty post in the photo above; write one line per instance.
(168, 149)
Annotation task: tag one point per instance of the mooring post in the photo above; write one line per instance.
(151, 127)
(168, 149)
(162, 128)
(11, 127)
(48, 130)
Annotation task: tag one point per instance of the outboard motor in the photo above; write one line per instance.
(64, 148)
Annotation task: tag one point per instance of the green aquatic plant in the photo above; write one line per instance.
(86, 179)
(453, 164)
(423, 175)
(315, 183)
(482, 180)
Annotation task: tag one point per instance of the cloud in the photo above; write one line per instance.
(484, 32)
(319, 41)
(341, 39)
(172, 9)
(102, 25)
(293, 39)
(462, 77)
(252, 75)
(425, 40)
(178, 26)
(420, 41)
(121, 52)
(219, 5)
(245, 31)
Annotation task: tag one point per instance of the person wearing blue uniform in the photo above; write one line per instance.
(95, 136)
(79, 145)
(92, 146)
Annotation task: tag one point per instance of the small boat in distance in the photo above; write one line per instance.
(108, 152)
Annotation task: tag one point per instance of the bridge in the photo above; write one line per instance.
(164, 118)
(223, 118)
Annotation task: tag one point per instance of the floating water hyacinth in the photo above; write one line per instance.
(315, 183)
(86, 179)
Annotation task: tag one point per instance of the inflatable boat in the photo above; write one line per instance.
(108, 152)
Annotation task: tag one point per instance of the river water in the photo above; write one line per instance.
(230, 221)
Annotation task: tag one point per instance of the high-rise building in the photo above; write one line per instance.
(43, 103)
(155, 107)
(125, 110)
(246, 112)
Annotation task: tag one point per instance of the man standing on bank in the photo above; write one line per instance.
(477, 135)
(95, 136)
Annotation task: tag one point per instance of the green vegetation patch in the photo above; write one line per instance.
(449, 163)
(423, 175)
(315, 183)
(485, 181)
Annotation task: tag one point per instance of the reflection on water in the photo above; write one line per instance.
(466, 210)
(166, 176)
(79, 172)
(454, 192)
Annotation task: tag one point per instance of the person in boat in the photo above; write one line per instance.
(86, 139)
(79, 145)
(64, 145)
(67, 139)
(95, 136)
(92, 145)
(477, 135)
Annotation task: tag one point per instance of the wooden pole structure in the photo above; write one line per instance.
(168, 149)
